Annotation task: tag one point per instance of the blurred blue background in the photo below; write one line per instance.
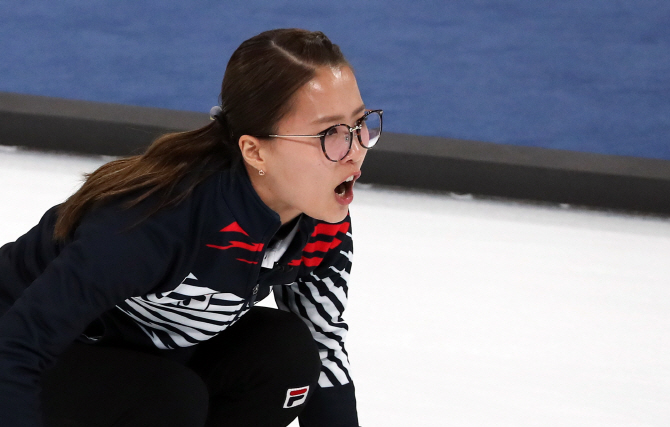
(585, 75)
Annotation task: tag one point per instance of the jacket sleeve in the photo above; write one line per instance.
(320, 299)
(104, 264)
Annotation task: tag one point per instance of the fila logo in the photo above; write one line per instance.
(295, 396)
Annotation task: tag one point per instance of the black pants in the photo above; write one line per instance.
(242, 377)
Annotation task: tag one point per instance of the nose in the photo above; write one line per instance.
(356, 153)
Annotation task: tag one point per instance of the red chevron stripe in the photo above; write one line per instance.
(330, 229)
(309, 262)
(233, 228)
(322, 246)
(247, 261)
(253, 247)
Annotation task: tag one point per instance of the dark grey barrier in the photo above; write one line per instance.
(57, 124)
(442, 164)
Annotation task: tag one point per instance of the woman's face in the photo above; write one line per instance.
(298, 176)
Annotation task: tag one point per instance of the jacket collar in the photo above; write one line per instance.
(255, 217)
(250, 212)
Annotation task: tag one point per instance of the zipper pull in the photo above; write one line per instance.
(254, 292)
(248, 303)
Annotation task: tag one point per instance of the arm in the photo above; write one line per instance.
(320, 299)
(104, 264)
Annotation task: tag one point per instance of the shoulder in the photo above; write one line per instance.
(124, 215)
(331, 232)
(328, 244)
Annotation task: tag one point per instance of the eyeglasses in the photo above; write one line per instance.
(336, 140)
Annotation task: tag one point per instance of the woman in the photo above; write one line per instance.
(131, 304)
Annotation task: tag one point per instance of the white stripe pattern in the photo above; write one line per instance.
(320, 303)
(184, 316)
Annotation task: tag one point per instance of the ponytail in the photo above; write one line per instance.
(170, 168)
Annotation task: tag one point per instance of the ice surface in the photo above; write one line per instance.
(474, 313)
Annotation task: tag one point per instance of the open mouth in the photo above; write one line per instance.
(345, 190)
(346, 185)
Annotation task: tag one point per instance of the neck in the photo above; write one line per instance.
(264, 191)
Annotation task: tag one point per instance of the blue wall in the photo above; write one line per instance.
(580, 75)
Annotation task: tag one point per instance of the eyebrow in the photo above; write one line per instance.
(338, 118)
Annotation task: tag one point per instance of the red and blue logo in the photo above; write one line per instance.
(295, 397)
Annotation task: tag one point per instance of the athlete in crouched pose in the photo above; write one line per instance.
(132, 303)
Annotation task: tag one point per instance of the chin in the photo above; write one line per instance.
(331, 217)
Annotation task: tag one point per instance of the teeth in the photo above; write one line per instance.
(343, 188)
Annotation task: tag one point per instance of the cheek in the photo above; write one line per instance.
(301, 172)
(307, 180)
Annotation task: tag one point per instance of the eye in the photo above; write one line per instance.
(330, 131)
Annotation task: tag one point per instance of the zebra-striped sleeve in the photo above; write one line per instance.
(320, 300)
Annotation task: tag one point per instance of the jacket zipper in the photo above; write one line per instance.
(247, 303)
(254, 292)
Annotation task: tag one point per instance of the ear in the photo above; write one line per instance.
(252, 151)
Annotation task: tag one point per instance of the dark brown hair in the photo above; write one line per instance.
(260, 80)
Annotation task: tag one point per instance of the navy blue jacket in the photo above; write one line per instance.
(122, 278)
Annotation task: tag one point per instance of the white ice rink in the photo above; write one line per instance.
(474, 313)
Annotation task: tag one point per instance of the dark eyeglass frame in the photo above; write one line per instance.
(322, 134)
